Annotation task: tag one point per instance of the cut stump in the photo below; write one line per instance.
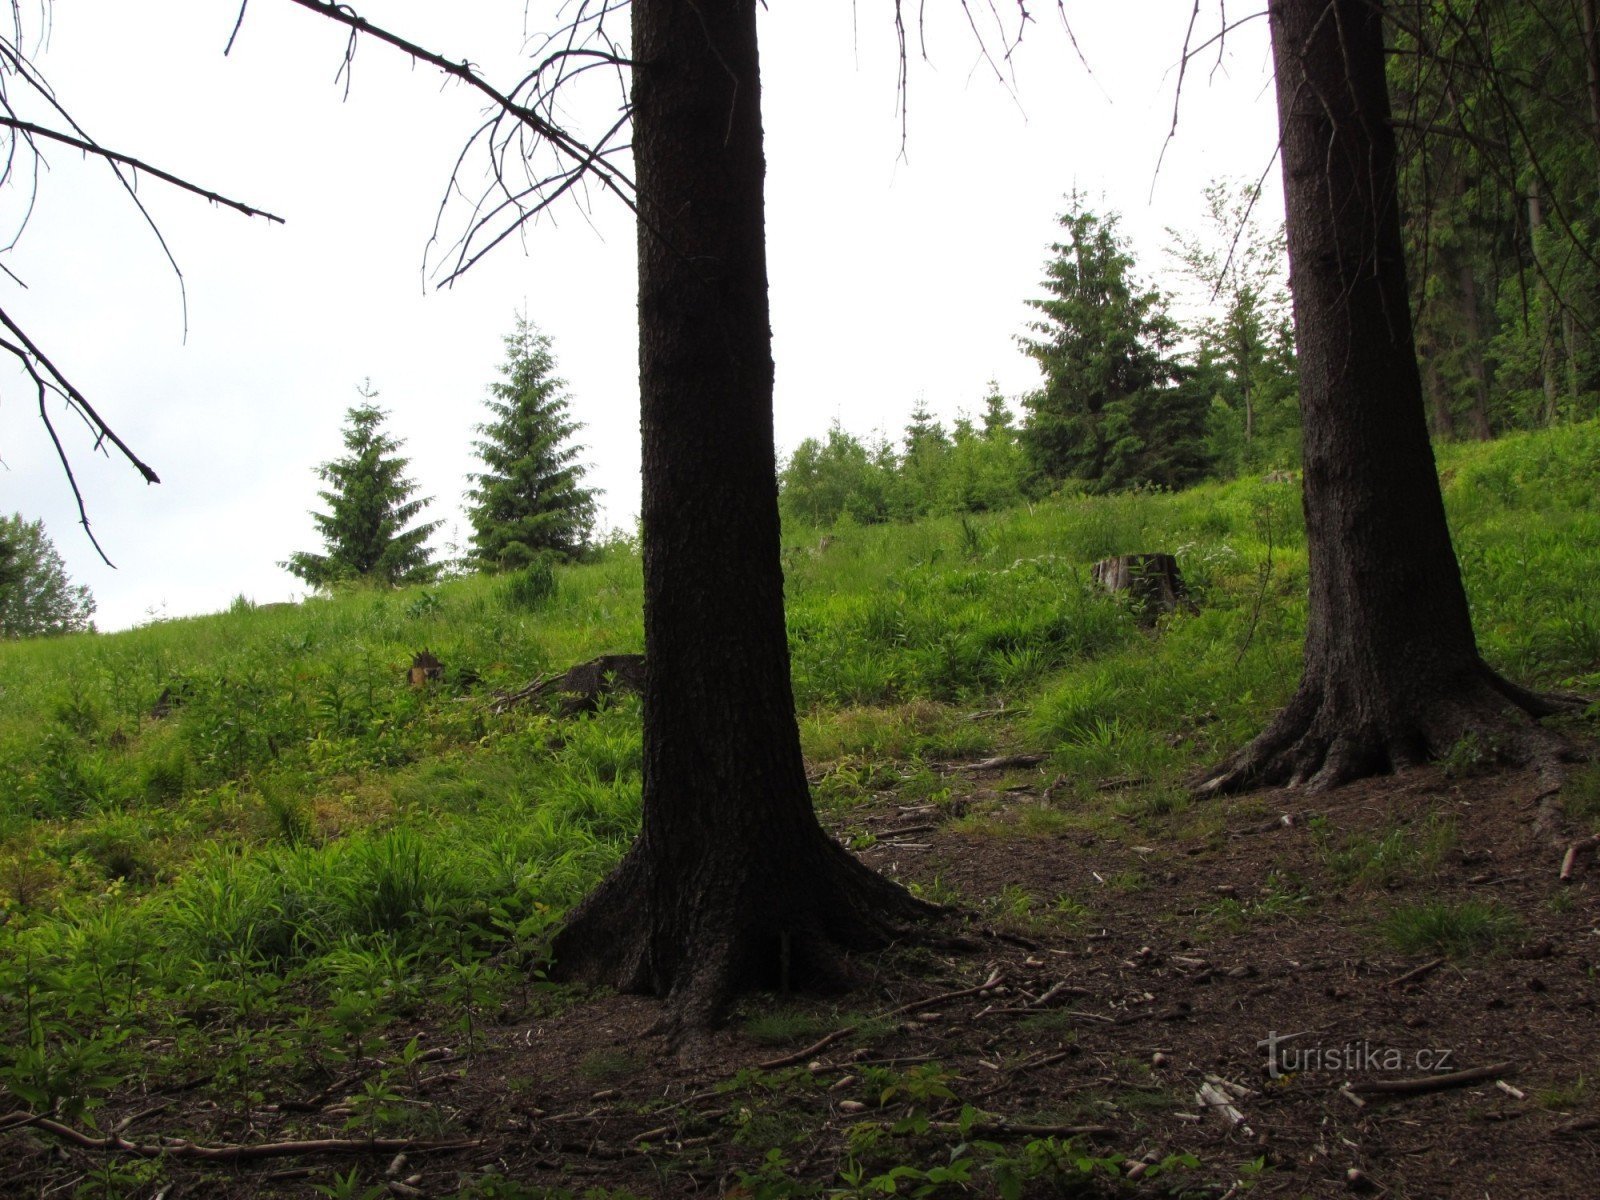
(1152, 582)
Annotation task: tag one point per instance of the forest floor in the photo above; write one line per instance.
(1101, 969)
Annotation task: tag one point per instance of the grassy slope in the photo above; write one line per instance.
(303, 834)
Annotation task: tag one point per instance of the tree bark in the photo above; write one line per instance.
(732, 882)
(1547, 351)
(1392, 671)
(1441, 416)
(1467, 298)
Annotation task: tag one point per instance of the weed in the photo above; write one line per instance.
(784, 1026)
(608, 1066)
(532, 588)
(1457, 930)
(1564, 1097)
(1580, 796)
(1389, 857)
(1474, 755)
(1282, 898)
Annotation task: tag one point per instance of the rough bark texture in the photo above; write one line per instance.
(1392, 671)
(732, 882)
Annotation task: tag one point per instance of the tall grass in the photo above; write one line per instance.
(255, 809)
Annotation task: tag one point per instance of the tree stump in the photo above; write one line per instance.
(425, 669)
(1151, 582)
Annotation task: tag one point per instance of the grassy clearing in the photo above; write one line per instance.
(243, 840)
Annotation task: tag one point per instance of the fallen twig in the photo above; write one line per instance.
(1062, 988)
(1576, 1125)
(1004, 762)
(1569, 860)
(1221, 1103)
(179, 1148)
(1426, 968)
(996, 979)
(1428, 1083)
(1003, 1127)
(788, 1060)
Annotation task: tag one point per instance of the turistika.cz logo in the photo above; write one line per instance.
(1284, 1058)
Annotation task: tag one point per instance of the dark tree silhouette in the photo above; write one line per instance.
(1392, 670)
(732, 881)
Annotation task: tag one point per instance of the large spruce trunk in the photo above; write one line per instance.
(1392, 671)
(732, 882)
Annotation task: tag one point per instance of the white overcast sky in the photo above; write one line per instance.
(894, 276)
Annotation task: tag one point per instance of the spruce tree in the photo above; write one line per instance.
(528, 501)
(1115, 410)
(370, 507)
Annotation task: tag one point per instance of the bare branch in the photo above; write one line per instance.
(30, 130)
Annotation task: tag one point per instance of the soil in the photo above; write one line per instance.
(1177, 944)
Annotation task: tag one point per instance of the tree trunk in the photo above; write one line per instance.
(732, 882)
(1591, 64)
(1467, 297)
(1547, 349)
(1392, 672)
(1441, 416)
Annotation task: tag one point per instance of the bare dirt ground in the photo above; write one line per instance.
(1101, 974)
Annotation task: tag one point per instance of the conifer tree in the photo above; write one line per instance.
(529, 500)
(997, 424)
(1114, 411)
(370, 508)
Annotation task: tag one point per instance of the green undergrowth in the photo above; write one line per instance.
(245, 839)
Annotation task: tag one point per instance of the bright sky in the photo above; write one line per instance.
(894, 277)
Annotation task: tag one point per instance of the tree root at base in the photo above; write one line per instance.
(795, 925)
(1320, 742)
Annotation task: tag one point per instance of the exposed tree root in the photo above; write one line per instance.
(792, 921)
(1327, 736)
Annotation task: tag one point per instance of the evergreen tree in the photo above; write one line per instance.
(1116, 409)
(36, 597)
(370, 506)
(528, 501)
(997, 425)
(922, 466)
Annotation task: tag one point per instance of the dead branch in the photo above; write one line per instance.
(1429, 1083)
(996, 979)
(529, 107)
(1569, 860)
(179, 1148)
(30, 130)
(1004, 762)
(1415, 973)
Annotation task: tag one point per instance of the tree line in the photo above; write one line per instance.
(1132, 395)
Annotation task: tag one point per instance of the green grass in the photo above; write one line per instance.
(1461, 930)
(215, 831)
(1386, 857)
